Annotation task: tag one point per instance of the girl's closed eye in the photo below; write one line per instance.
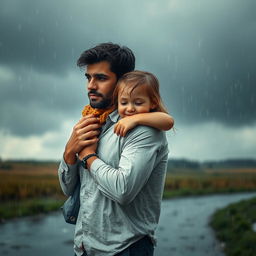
(123, 102)
(138, 103)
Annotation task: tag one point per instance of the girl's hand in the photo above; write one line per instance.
(125, 124)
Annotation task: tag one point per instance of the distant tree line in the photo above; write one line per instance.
(172, 163)
(229, 163)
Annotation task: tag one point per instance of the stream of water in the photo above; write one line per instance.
(183, 230)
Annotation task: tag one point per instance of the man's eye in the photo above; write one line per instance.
(88, 77)
(102, 78)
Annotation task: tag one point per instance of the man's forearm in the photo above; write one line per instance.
(122, 182)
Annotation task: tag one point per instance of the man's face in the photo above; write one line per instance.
(101, 84)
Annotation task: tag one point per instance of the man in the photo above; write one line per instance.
(121, 185)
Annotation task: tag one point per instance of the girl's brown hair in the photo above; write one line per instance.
(137, 78)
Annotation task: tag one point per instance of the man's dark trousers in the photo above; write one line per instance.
(143, 247)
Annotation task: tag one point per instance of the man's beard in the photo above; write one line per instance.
(104, 103)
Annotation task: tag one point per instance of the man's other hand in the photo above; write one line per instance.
(84, 133)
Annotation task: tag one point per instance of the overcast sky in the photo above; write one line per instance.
(202, 51)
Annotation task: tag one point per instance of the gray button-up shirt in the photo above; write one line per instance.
(121, 194)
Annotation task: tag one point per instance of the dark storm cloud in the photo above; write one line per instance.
(37, 34)
(202, 51)
(33, 103)
(49, 36)
(207, 66)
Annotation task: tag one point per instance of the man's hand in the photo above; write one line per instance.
(84, 134)
(125, 124)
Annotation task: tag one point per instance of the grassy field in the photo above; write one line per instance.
(233, 226)
(28, 188)
(185, 182)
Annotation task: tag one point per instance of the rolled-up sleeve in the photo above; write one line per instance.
(68, 176)
(137, 161)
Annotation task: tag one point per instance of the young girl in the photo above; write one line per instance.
(139, 102)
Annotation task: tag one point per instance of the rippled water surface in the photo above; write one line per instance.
(183, 230)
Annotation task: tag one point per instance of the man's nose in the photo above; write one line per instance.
(92, 84)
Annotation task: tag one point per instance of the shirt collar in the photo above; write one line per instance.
(114, 116)
(111, 119)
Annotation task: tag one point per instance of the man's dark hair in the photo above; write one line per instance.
(120, 58)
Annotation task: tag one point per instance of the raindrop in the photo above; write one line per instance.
(248, 76)
(252, 99)
(41, 41)
(21, 87)
(199, 43)
(191, 98)
(168, 58)
(226, 64)
(19, 27)
(208, 71)
(72, 52)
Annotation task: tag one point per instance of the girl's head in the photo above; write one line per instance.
(138, 92)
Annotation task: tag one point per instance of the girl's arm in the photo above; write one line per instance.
(158, 120)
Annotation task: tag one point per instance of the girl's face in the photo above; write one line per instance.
(133, 103)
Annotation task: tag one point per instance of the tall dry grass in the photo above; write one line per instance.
(24, 180)
(213, 181)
